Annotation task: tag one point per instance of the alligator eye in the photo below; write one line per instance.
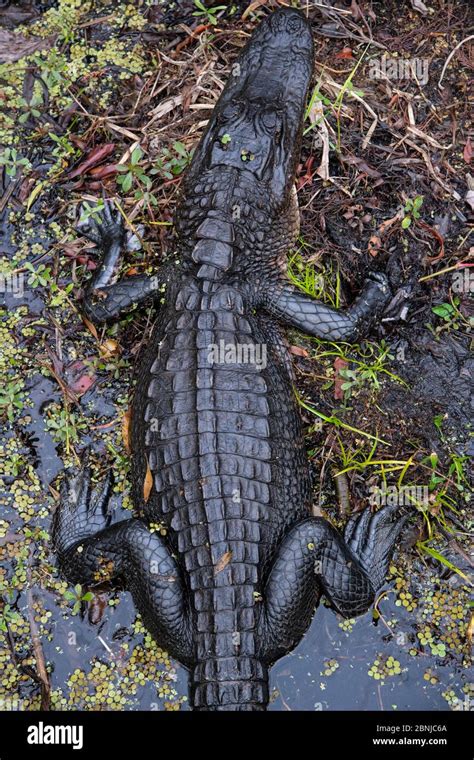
(270, 119)
(231, 111)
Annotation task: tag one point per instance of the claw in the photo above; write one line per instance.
(102, 497)
(90, 230)
(82, 512)
(109, 230)
(371, 537)
(359, 529)
(108, 206)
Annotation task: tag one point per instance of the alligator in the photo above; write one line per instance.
(232, 581)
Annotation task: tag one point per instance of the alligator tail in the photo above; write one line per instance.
(229, 684)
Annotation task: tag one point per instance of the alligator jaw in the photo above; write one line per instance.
(257, 123)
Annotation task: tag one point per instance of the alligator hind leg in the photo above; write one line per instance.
(90, 551)
(313, 559)
(105, 298)
(293, 307)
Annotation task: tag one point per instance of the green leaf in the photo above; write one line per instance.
(406, 221)
(444, 310)
(136, 156)
(180, 149)
(127, 182)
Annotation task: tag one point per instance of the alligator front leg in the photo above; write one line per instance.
(313, 559)
(105, 298)
(91, 551)
(315, 318)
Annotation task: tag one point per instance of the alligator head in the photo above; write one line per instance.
(257, 122)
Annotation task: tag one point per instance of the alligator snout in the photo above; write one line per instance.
(285, 30)
(257, 123)
(288, 21)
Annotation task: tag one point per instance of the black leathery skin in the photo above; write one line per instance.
(235, 581)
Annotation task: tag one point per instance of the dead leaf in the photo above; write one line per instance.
(253, 7)
(417, 5)
(147, 483)
(338, 379)
(82, 384)
(15, 46)
(95, 157)
(374, 245)
(297, 351)
(100, 172)
(98, 604)
(344, 53)
(467, 152)
(90, 327)
(357, 14)
(363, 166)
(79, 377)
(469, 198)
(435, 233)
(470, 630)
(222, 562)
(109, 348)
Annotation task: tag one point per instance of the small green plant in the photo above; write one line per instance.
(59, 296)
(169, 165)
(11, 398)
(12, 161)
(64, 426)
(209, 13)
(114, 366)
(30, 109)
(78, 596)
(94, 212)
(41, 276)
(7, 616)
(368, 373)
(132, 173)
(411, 211)
(451, 315)
(449, 312)
(16, 463)
(63, 148)
(318, 281)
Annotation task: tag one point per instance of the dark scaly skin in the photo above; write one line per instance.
(235, 582)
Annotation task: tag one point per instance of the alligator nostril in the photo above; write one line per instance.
(278, 21)
(294, 24)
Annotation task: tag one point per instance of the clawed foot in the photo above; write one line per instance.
(372, 537)
(108, 231)
(377, 288)
(82, 512)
